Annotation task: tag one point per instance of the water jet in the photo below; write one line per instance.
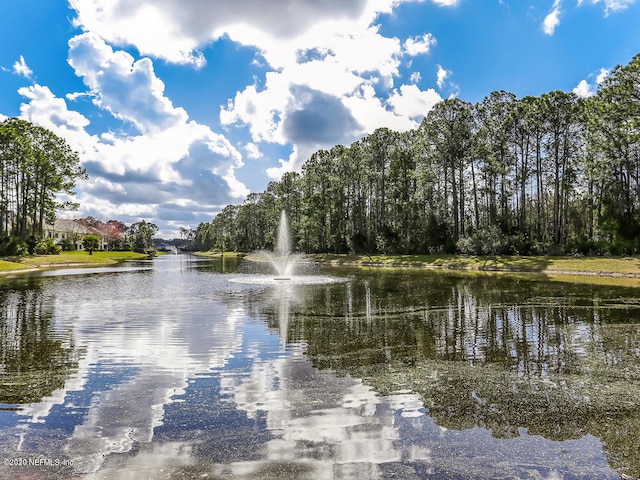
(282, 259)
(284, 263)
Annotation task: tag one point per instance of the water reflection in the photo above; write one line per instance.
(37, 356)
(561, 361)
(177, 372)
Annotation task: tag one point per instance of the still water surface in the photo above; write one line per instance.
(177, 368)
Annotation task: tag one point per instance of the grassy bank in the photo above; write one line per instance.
(10, 266)
(595, 266)
(221, 254)
(581, 266)
(16, 264)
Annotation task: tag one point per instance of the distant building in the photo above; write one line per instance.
(73, 231)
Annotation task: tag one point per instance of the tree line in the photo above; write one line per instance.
(35, 166)
(536, 175)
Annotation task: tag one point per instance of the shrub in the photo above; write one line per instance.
(465, 246)
(520, 244)
(47, 247)
(12, 246)
(359, 243)
(67, 245)
(587, 247)
(4, 241)
(622, 247)
(483, 241)
(32, 241)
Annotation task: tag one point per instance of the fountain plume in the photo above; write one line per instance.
(282, 258)
(283, 263)
(283, 245)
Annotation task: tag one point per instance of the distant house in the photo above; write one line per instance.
(73, 231)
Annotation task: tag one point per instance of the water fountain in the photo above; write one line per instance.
(282, 259)
(284, 263)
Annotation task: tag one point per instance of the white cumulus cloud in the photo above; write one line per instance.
(174, 29)
(332, 76)
(419, 45)
(441, 76)
(139, 176)
(21, 68)
(552, 20)
(611, 5)
(584, 89)
(253, 150)
(409, 101)
(128, 89)
(602, 75)
(49, 111)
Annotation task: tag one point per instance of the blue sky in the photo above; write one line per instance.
(178, 108)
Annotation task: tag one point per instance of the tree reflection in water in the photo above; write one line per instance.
(559, 360)
(36, 358)
(392, 373)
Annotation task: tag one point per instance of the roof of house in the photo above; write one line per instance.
(64, 225)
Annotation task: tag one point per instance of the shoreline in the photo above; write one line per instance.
(622, 267)
(626, 267)
(594, 270)
(587, 273)
(30, 264)
(601, 271)
(605, 270)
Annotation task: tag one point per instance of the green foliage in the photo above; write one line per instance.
(47, 247)
(141, 236)
(624, 247)
(587, 247)
(35, 166)
(613, 124)
(483, 241)
(12, 246)
(91, 243)
(490, 240)
(31, 242)
(523, 176)
(67, 245)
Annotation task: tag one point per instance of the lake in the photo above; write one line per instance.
(181, 367)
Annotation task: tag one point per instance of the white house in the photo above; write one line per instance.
(73, 231)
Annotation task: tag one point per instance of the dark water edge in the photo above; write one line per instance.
(169, 370)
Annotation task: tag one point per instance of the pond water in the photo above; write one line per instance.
(178, 368)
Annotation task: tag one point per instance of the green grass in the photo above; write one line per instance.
(628, 266)
(67, 258)
(596, 266)
(212, 253)
(8, 266)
